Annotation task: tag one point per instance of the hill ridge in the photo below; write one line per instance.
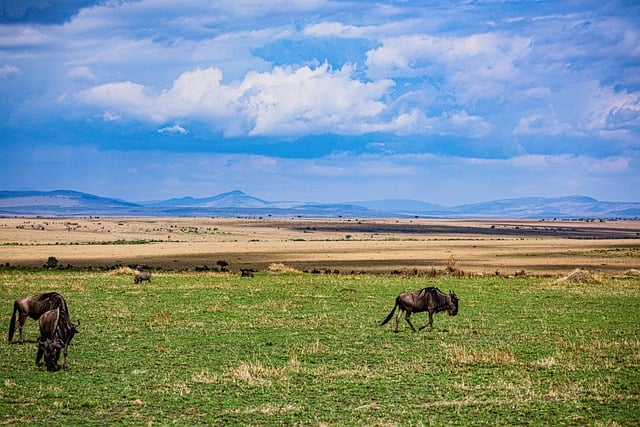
(239, 203)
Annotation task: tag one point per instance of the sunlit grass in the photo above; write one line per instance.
(308, 350)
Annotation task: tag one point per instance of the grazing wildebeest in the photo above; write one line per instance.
(33, 306)
(56, 332)
(142, 276)
(429, 299)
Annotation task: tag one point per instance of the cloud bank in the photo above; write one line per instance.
(507, 83)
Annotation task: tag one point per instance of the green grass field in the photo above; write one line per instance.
(296, 349)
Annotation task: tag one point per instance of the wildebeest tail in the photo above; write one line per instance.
(12, 323)
(393, 310)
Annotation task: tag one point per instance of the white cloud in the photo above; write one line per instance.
(612, 111)
(20, 36)
(175, 129)
(282, 102)
(110, 116)
(457, 122)
(8, 71)
(293, 102)
(334, 29)
(195, 93)
(82, 73)
(485, 56)
(540, 124)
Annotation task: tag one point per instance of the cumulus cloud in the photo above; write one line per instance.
(285, 101)
(196, 93)
(306, 100)
(613, 111)
(472, 59)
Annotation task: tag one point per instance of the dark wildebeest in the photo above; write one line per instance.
(429, 299)
(141, 277)
(33, 306)
(56, 333)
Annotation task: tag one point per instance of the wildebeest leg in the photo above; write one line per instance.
(40, 353)
(430, 324)
(398, 316)
(22, 319)
(409, 321)
(64, 365)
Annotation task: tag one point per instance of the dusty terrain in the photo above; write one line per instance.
(346, 245)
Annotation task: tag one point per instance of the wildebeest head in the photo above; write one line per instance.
(51, 353)
(51, 350)
(453, 304)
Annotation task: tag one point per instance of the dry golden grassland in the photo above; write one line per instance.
(347, 245)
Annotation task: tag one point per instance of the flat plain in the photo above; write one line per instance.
(373, 246)
(290, 348)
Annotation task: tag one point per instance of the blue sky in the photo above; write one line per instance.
(448, 102)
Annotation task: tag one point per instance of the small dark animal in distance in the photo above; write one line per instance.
(430, 299)
(140, 277)
(56, 333)
(33, 306)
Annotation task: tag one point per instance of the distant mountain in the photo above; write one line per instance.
(232, 199)
(553, 207)
(60, 202)
(239, 204)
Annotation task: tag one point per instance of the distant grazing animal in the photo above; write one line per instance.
(33, 306)
(56, 333)
(141, 277)
(429, 299)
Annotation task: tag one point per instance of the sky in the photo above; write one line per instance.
(448, 102)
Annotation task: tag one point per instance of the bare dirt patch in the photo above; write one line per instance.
(347, 245)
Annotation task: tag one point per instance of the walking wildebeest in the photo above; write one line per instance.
(142, 276)
(429, 299)
(33, 306)
(56, 332)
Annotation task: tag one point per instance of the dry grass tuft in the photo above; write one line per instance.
(580, 276)
(279, 268)
(205, 377)
(490, 357)
(453, 267)
(267, 410)
(258, 374)
(631, 273)
(122, 271)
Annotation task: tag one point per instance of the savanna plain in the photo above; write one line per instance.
(550, 345)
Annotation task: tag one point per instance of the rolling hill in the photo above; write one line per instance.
(237, 203)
